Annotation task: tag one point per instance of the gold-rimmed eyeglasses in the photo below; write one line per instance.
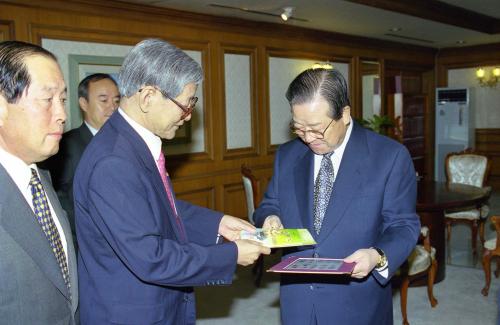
(186, 109)
(313, 133)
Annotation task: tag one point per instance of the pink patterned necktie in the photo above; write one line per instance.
(160, 163)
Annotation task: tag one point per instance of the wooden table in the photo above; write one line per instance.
(435, 197)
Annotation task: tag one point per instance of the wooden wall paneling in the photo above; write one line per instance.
(429, 89)
(355, 87)
(263, 101)
(204, 197)
(7, 30)
(383, 94)
(235, 200)
(253, 150)
(201, 177)
(488, 143)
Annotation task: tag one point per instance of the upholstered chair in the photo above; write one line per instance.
(491, 249)
(467, 168)
(252, 195)
(421, 262)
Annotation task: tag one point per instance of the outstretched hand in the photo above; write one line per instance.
(230, 227)
(272, 222)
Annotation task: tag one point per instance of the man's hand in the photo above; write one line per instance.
(272, 222)
(249, 251)
(230, 227)
(365, 259)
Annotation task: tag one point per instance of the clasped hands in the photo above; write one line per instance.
(248, 251)
(366, 259)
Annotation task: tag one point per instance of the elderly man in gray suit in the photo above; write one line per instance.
(38, 281)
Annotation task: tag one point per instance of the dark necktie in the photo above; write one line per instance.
(322, 190)
(160, 163)
(44, 218)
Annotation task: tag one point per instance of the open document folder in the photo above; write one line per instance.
(318, 265)
(280, 237)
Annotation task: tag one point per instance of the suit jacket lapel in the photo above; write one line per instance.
(304, 188)
(143, 153)
(347, 182)
(61, 216)
(17, 218)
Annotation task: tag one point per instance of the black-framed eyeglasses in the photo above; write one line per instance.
(313, 133)
(186, 109)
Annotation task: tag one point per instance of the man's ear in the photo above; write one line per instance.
(84, 105)
(346, 115)
(4, 112)
(145, 98)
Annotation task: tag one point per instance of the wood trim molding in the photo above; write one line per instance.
(438, 11)
(488, 143)
(253, 150)
(7, 31)
(145, 13)
(465, 57)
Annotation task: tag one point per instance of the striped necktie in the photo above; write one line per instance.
(322, 190)
(44, 218)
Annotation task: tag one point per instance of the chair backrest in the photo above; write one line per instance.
(467, 167)
(251, 190)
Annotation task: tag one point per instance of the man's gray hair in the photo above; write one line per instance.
(157, 63)
(327, 83)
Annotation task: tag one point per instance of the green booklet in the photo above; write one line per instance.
(280, 237)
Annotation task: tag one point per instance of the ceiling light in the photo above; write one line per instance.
(322, 65)
(287, 13)
(460, 42)
(395, 29)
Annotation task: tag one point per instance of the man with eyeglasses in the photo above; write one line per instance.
(355, 191)
(141, 249)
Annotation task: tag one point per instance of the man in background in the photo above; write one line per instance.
(141, 249)
(98, 98)
(38, 275)
(355, 191)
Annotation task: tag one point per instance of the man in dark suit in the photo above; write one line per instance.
(355, 191)
(98, 98)
(141, 250)
(38, 275)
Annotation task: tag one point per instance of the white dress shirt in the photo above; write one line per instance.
(21, 175)
(91, 128)
(153, 142)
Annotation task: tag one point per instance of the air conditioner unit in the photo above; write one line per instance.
(454, 126)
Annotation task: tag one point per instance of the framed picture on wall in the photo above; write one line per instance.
(80, 66)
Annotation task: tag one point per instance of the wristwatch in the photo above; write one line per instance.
(382, 261)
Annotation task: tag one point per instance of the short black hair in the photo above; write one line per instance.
(83, 87)
(327, 83)
(14, 75)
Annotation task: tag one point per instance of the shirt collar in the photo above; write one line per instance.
(340, 150)
(153, 142)
(17, 169)
(91, 128)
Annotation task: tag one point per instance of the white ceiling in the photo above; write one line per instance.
(350, 18)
